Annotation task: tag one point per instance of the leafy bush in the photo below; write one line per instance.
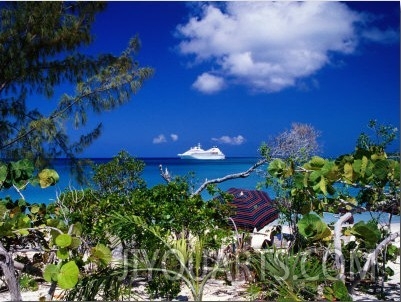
(162, 286)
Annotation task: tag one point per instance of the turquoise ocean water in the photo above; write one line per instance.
(202, 170)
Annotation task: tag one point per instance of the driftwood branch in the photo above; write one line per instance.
(7, 266)
(372, 260)
(340, 263)
(230, 176)
(165, 174)
(19, 191)
(167, 177)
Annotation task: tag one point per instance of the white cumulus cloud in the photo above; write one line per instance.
(174, 137)
(225, 139)
(270, 46)
(208, 83)
(159, 139)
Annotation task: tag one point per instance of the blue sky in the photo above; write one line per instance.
(234, 74)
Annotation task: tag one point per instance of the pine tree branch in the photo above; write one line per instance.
(60, 112)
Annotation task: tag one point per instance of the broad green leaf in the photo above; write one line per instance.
(23, 232)
(314, 176)
(338, 292)
(68, 276)
(313, 228)
(3, 172)
(364, 166)
(381, 169)
(315, 163)
(62, 253)
(348, 172)
(50, 272)
(322, 185)
(63, 240)
(48, 177)
(76, 242)
(277, 167)
(77, 229)
(369, 233)
(35, 209)
(101, 254)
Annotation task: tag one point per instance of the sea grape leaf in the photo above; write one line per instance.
(23, 232)
(348, 172)
(48, 177)
(381, 169)
(101, 254)
(50, 273)
(314, 176)
(300, 180)
(313, 228)
(77, 229)
(62, 253)
(63, 240)
(35, 209)
(76, 242)
(368, 232)
(277, 167)
(68, 276)
(3, 172)
(338, 292)
(316, 163)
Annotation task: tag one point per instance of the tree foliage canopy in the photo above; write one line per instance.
(41, 48)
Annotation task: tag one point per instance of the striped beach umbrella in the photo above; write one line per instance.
(252, 208)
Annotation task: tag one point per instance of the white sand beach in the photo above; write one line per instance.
(217, 290)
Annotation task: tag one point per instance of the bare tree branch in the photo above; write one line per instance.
(230, 176)
(167, 177)
(340, 263)
(165, 174)
(372, 258)
(7, 266)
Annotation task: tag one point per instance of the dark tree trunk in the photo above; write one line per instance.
(7, 266)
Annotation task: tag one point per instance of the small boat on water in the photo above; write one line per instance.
(198, 153)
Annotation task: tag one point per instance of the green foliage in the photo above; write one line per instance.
(20, 173)
(66, 276)
(185, 261)
(44, 227)
(368, 233)
(319, 185)
(121, 175)
(41, 49)
(28, 283)
(384, 135)
(100, 254)
(162, 286)
(313, 228)
(48, 177)
(337, 292)
(63, 240)
(288, 276)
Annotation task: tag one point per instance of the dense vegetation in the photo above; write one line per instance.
(43, 49)
(96, 242)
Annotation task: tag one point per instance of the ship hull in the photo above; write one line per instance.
(198, 153)
(202, 156)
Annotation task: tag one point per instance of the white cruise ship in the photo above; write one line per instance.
(198, 153)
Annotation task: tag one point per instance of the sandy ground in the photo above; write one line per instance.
(216, 290)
